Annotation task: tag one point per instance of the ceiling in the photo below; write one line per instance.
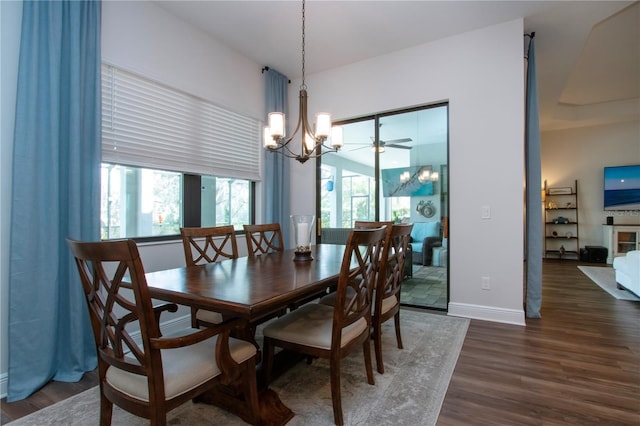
(587, 52)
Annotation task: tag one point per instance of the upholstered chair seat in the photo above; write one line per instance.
(311, 325)
(203, 316)
(184, 369)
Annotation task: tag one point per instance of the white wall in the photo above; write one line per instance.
(143, 38)
(481, 75)
(582, 154)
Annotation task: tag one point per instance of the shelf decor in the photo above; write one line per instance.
(567, 190)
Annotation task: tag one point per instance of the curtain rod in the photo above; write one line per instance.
(267, 69)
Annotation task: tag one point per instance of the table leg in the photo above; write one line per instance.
(273, 412)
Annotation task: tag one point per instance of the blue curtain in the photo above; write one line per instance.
(277, 192)
(534, 236)
(55, 193)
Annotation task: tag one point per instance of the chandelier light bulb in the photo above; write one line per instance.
(276, 124)
(323, 125)
(336, 137)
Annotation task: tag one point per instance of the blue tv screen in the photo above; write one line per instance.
(622, 188)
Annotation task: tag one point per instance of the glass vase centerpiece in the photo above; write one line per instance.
(302, 231)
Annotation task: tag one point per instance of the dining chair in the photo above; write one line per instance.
(263, 239)
(386, 299)
(150, 374)
(207, 245)
(330, 332)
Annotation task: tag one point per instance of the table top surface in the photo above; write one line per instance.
(249, 287)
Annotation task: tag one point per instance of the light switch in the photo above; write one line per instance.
(485, 212)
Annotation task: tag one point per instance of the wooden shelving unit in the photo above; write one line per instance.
(562, 239)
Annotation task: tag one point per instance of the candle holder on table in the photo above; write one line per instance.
(302, 230)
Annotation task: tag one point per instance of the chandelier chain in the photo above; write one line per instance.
(312, 140)
(303, 85)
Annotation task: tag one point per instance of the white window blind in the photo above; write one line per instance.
(146, 124)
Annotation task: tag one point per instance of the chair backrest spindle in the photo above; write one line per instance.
(263, 239)
(209, 244)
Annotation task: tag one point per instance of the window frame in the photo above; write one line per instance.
(191, 206)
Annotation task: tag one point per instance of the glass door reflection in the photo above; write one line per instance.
(393, 167)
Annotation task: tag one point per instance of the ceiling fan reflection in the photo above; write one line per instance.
(386, 144)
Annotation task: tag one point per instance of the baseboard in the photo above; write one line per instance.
(167, 327)
(487, 313)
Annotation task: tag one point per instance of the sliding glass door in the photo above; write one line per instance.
(393, 167)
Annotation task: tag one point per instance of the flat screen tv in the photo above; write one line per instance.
(622, 188)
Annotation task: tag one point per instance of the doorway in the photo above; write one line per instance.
(394, 167)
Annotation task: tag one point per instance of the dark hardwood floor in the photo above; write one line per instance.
(577, 365)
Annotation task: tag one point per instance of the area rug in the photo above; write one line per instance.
(605, 277)
(410, 392)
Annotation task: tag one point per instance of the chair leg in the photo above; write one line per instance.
(336, 397)
(158, 415)
(377, 343)
(396, 320)
(366, 348)
(106, 410)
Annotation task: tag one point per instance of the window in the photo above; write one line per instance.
(143, 203)
(357, 198)
(171, 159)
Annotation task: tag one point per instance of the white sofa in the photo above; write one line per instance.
(627, 270)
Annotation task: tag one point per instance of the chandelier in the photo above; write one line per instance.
(312, 142)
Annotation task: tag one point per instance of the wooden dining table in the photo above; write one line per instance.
(251, 288)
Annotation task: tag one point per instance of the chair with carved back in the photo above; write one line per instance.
(152, 374)
(386, 300)
(333, 332)
(386, 303)
(263, 239)
(207, 245)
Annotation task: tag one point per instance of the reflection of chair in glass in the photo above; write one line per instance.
(262, 239)
(331, 332)
(207, 245)
(152, 374)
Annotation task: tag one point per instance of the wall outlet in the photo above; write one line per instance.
(485, 283)
(485, 212)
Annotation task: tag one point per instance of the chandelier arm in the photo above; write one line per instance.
(286, 140)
